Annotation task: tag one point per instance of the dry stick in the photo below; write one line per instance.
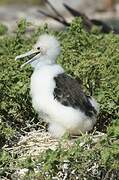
(60, 18)
(53, 17)
(90, 22)
(73, 11)
(55, 11)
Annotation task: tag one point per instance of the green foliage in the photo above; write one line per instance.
(15, 108)
(6, 132)
(3, 29)
(92, 57)
(5, 160)
(28, 2)
(113, 130)
(83, 160)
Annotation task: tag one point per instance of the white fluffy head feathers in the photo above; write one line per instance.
(46, 50)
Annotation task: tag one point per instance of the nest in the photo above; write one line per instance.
(37, 142)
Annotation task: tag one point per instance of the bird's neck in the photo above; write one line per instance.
(42, 62)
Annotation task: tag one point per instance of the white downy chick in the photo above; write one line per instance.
(56, 96)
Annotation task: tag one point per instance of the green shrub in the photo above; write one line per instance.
(28, 2)
(87, 161)
(15, 104)
(3, 29)
(92, 57)
(15, 107)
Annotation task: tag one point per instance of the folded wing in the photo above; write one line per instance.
(68, 91)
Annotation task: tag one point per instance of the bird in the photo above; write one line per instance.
(57, 97)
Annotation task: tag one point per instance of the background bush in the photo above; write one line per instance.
(92, 57)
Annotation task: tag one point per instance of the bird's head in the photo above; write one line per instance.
(45, 51)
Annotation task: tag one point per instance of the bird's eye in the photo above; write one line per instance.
(38, 48)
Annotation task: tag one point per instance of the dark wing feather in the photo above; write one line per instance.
(68, 91)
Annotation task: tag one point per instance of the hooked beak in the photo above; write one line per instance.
(32, 55)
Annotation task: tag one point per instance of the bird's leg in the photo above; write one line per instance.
(56, 130)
